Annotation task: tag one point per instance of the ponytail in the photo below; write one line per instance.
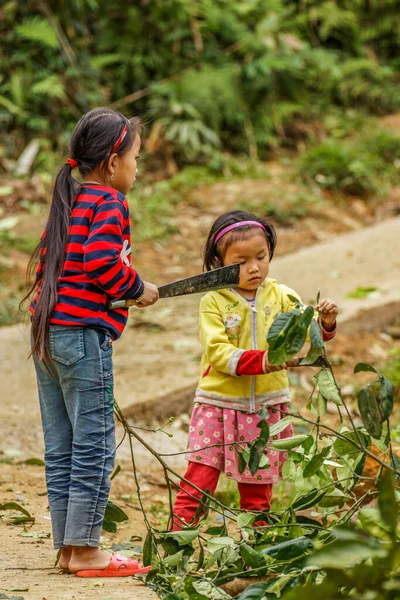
(52, 249)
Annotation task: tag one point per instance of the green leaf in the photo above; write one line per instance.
(51, 86)
(115, 513)
(279, 328)
(295, 300)
(317, 344)
(251, 557)
(32, 461)
(395, 464)
(209, 590)
(215, 544)
(115, 473)
(264, 433)
(14, 506)
(316, 338)
(183, 537)
(327, 386)
(220, 531)
(290, 549)
(242, 464)
(148, 548)
(280, 426)
(288, 470)
(109, 526)
(277, 356)
(322, 405)
(295, 340)
(306, 317)
(334, 498)
(174, 559)
(203, 505)
(31, 534)
(257, 591)
(38, 29)
(387, 397)
(245, 519)
(200, 561)
(315, 463)
(308, 443)
(344, 554)
(327, 590)
(289, 443)
(342, 447)
(13, 108)
(364, 367)
(362, 292)
(308, 500)
(256, 453)
(370, 412)
(312, 355)
(387, 501)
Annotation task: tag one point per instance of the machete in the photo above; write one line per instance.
(218, 279)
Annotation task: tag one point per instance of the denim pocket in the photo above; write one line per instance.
(66, 344)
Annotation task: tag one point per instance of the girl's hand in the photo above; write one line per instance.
(328, 312)
(149, 297)
(272, 368)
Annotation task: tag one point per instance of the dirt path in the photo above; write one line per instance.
(159, 353)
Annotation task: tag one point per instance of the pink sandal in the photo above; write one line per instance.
(119, 566)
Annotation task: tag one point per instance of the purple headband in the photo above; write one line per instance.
(235, 226)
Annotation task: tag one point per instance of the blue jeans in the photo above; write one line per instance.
(77, 408)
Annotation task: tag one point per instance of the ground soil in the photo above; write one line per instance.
(157, 357)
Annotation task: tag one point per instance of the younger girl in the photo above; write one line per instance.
(85, 261)
(237, 380)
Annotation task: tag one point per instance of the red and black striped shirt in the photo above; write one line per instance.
(97, 264)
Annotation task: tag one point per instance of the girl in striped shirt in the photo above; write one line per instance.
(84, 261)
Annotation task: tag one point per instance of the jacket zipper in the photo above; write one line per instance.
(254, 338)
(254, 342)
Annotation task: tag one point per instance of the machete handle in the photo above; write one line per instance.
(121, 303)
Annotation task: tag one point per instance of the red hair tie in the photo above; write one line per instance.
(120, 139)
(72, 163)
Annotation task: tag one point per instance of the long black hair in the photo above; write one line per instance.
(213, 254)
(91, 145)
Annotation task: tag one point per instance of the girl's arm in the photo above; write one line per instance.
(328, 311)
(107, 249)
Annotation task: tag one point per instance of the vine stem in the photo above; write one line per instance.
(360, 447)
(166, 467)
(345, 406)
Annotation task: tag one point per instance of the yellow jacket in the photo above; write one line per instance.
(228, 327)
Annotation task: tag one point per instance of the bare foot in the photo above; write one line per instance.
(65, 557)
(86, 557)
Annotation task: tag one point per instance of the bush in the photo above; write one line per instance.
(341, 166)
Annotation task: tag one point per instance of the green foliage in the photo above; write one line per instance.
(358, 166)
(338, 548)
(211, 74)
(347, 552)
(38, 29)
(341, 167)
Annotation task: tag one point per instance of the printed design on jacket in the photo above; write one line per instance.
(232, 325)
(267, 311)
(125, 252)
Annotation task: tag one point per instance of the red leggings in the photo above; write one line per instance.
(255, 497)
